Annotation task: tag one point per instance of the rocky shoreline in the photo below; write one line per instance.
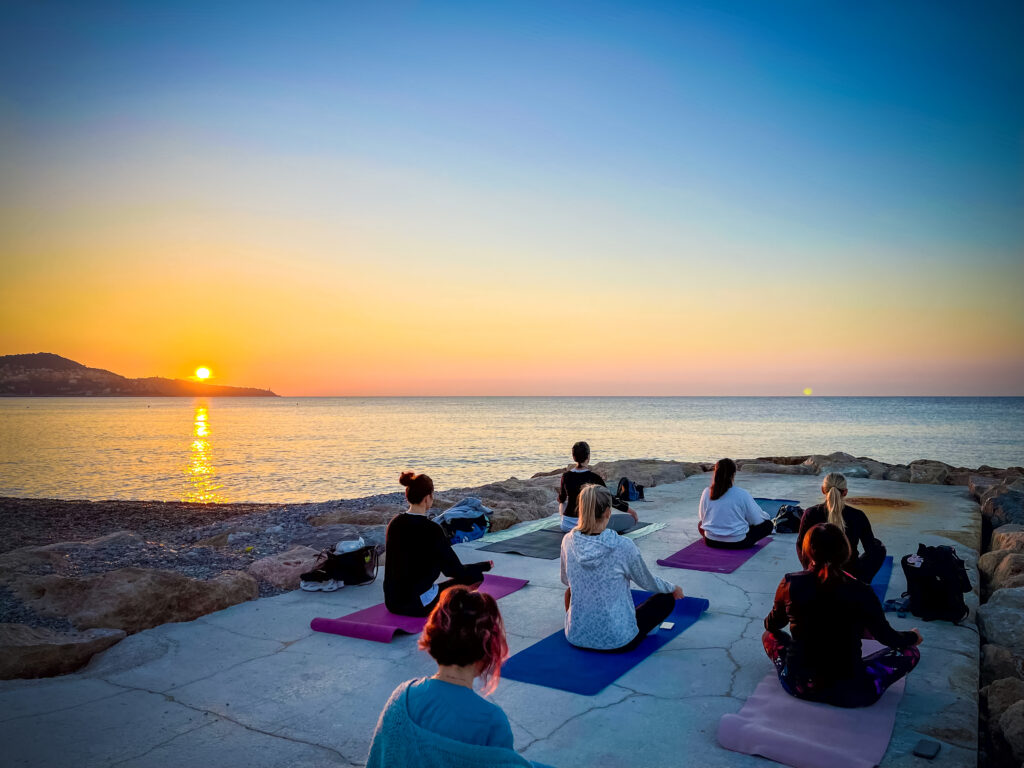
(77, 576)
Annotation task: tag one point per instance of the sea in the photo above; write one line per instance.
(316, 449)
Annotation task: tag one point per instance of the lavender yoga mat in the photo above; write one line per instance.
(379, 624)
(698, 556)
(805, 734)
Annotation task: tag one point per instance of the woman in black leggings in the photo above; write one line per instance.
(828, 612)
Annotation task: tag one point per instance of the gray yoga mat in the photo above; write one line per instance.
(545, 544)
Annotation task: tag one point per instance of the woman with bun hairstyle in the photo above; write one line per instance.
(727, 516)
(572, 483)
(417, 552)
(851, 521)
(828, 612)
(597, 566)
(440, 721)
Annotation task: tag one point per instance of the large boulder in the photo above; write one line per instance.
(897, 474)
(998, 662)
(1000, 695)
(1011, 725)
(1004, 505)
(28, 561)
(283, 569)
(134, 599)
(1009, 573)
(511, 500)
(990, 561)
(647, 472)
(37, 652)
(930, 472)
(1009, 537)
(763, 467)
(1001, 619)
(979, 484)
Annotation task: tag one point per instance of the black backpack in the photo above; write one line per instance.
(787, 519)
(936, 582)
(629, 491)
(355, 568)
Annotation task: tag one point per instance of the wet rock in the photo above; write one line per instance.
(37, 652)
(283, 569)
(998, 662)
(1009, 537)
(1003, 505)
(1001, 619)
(134, 599)
(1011, 725)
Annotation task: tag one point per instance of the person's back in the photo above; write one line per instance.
(727, 516)
(601, 612)
(459, 713)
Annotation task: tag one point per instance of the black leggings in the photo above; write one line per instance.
(754, 535)
(649, 614)
(417, 608)
(880, 670)
(868, 564)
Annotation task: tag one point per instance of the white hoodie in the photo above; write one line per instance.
(598, 569)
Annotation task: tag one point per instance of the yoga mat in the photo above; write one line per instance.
(806, 734)
(553, 663)
(545, 543)
(379, 624)
(771, 506)
(698, 556)
(880, 584)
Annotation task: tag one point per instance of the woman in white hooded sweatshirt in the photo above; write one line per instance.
(597, 566)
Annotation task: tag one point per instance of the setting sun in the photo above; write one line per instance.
(202, 373)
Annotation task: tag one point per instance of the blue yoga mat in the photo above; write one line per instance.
(771, 506)
(881, 581)
(553, 663)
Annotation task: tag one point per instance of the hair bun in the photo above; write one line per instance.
(407, 478)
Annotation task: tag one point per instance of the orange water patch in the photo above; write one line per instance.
(874, 501)
(888, 511)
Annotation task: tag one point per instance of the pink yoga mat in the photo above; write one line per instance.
(805, 734)
(379, 624)
(698, 556)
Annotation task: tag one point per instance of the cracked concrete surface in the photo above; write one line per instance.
(253, 685)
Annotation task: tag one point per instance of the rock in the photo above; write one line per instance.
(648, 472)
(1011, 725)
(275, 529)
(776, 469)
(134, 599)
(979, 484)
(237, 536)
(28, 560)
(283, 569)
(1009, 570)
(37, 652)
(517, 499)
(1003, 506)
(1009, 537)
(326, 536)
(1001, 619)
(998, 662)
(898, 474)
(1001, 694)
(988, 562)
(930, 472)
(379, 514)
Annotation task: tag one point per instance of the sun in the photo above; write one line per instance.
(808, 391)
(202, 373)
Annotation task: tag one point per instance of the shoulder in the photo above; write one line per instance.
(591, 477)
(853, 512)
(815, 511)
(705, 494)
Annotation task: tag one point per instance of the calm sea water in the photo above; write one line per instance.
(297, 449)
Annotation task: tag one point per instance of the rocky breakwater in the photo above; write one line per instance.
(1001, 619)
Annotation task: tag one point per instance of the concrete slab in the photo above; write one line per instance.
(252, 683)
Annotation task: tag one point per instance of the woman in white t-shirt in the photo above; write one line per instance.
(728, 517)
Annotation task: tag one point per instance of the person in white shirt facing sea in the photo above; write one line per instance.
(727, 516)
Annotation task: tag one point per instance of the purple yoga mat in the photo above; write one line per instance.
(805, 734)
(379, 624)
(698, 556)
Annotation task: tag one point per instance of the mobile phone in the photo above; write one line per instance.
(927, 749)
(667, 624)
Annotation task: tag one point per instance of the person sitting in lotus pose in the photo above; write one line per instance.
(727, 516)
(572, 483)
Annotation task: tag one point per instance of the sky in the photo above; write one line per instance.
(402, 198)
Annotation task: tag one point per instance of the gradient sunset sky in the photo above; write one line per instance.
(519, 198)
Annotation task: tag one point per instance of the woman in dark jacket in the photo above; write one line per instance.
(828, 613)
(852, 521)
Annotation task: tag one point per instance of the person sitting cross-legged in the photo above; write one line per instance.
(727, 516)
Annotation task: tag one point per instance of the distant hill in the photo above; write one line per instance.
(47, 375)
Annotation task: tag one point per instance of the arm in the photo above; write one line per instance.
(878, 626)
(450, 564)
(562, 572)
(562, 496)
(752, 512)
(778, 619)
(868, 542)
(637, 570)
(702, 509)
(806, 523)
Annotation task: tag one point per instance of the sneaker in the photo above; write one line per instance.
(319, 581)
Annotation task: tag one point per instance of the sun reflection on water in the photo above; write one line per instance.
(200, 476)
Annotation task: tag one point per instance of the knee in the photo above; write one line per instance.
(913, 655)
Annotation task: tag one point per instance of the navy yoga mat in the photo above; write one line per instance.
(771, 506)
(553, 663)
(880, 584)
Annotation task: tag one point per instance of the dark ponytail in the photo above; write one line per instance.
(721, 481)
(827, 550)
(417, 487)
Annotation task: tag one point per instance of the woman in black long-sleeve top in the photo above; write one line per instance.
(828, 612)
(854, 523)
(417, 552)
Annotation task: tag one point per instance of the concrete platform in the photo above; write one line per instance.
(253, 685)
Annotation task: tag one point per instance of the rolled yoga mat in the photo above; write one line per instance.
(698, 556)
(880, 584)
(553, 663)
(806, 734)
(379, 624)
(545, 544)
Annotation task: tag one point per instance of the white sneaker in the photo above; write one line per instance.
(325, 585)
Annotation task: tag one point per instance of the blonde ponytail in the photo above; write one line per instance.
(833, 486)
(593, 504)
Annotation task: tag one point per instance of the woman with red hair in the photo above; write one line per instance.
(441, 721)
(828, 611)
